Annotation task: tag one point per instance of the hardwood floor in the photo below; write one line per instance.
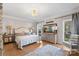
(12, 50)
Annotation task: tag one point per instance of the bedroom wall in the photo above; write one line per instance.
(17, 24)
(60, 25)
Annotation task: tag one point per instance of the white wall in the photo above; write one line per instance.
(18, 23)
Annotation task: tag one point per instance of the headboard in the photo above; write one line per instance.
(20, 31)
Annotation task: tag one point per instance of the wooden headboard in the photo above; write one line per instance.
(20, 34)
(20, 31)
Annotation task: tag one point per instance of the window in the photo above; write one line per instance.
(67, 29)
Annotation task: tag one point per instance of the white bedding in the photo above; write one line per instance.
(47, 50)
(27, 39)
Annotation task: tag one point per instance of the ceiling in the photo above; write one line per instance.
(44, 10)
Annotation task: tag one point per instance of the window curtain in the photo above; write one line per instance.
(75, 19)
(75, 23)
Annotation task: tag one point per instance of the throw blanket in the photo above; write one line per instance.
(47, 50)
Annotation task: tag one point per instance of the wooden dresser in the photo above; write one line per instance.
(10, 38)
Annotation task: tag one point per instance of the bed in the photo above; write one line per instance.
(47, 50)
(26, 39)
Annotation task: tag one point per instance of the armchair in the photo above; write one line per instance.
(74, 43)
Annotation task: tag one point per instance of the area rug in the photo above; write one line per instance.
(47, 50)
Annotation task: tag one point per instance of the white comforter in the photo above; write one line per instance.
(27, 39)
(47, 50)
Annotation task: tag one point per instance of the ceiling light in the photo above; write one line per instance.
(34, 12)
